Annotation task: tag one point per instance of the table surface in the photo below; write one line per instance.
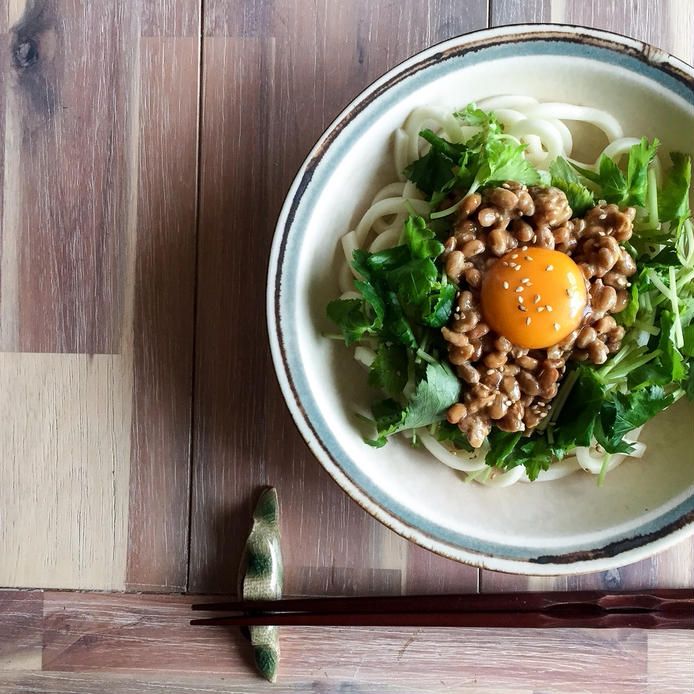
(146, 148)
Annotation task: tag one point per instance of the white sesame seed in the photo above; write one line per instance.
(549, 268)
(504, 263)
(514, 256)
(522, 308)
(536, 299)
(519, 289)
(524, 248)
(525, 280)
(602, 216)
(505, 284)
(517, 268)
(549, 308)
(520, 299)
(527, 320)
(556, 326)
(528, 257)
(540, 309)
(508, 403)
(490, 372)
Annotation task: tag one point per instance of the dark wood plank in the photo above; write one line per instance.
(21, 630)
(164, 304)
(66, 289)
(148, 636)
(274, 75)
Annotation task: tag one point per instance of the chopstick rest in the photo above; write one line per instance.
(261, 578)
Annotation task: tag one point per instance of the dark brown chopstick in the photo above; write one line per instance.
(656, 609)
(535, 620)
(475, 602)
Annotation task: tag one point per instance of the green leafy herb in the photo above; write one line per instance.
(565, 178)
(389, 369)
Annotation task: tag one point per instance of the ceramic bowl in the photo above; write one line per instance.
(561, 527)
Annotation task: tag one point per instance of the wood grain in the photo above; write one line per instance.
(144, 642)
(274, 75)
(97, 261)
(164, 277)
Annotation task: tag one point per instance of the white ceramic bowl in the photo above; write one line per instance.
(561, 527)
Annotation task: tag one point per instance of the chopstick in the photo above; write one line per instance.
(657, 609)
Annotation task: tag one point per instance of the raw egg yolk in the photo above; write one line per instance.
(533, 297)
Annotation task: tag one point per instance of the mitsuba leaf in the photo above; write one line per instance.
(438, 390)
(445, 431)
(576, 422)
(533, 453)
(351, 317)
(420, 239)
(501, 443)
(673, 199)
(563, 176)
(505, 162)
(413, 280)
(640, 156)
(622, 413)
(389, 369)
(439, 305)
(396, 327)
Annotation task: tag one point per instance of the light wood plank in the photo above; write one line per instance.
(520, 11)
(274, 75)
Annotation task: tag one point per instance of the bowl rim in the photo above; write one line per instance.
(600, 559)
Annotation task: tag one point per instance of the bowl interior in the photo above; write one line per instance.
(512, 528)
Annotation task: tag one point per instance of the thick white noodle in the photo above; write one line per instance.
(542, 128)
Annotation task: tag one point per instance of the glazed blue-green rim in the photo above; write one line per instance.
(434, 63)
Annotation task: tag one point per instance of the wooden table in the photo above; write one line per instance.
(146, 150)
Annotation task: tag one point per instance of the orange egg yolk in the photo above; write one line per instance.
(533, 297)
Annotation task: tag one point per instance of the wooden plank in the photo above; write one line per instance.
(667, 25)
(97, 258)
(21, 630)
(274, 75)
(149, 635)
(519, 11)
(164, 300)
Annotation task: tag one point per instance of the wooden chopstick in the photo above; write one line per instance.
(678, 619)
(656, 609)
(475, 602)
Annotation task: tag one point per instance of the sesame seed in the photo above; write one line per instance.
(536, 299)
(540, 309)
(602, 216)
(525, 280)
(514, 256)
(549, 308)
(549, 268)
(524, 248)
(568, 293)
(556, 326)
(528, 257)
(517, 268)
(508, 403)
(527, 320)
(504, 263)
(505, 285)
(490, 372)
(522, 308)
(520, 299)
(519, 289)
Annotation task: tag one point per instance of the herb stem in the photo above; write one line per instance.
(652, 197)
(603, 469)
